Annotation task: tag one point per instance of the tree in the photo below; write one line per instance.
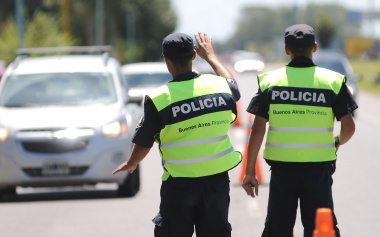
(153, 21)
(42, 31)
(264, 27)
(325, 31)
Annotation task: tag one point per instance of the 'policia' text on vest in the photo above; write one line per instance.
(186, 108)
(299, 96)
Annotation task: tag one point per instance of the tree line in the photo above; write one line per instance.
(135, 28)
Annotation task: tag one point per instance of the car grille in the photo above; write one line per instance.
(73, 170)
(44, 140)
(52, 147)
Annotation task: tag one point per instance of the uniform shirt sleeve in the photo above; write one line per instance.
(344, 103)
(259, 104)
(148, 126)
(234, 88)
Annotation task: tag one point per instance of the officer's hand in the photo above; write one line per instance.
(251, 185)
(126, 166)
(204, 48)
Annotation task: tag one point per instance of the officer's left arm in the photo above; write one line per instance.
(206, 51)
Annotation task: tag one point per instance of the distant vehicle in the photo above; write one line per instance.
(144, 77)
(245, 61)
(65, 121)
(338, 62)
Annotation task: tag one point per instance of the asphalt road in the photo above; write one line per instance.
(96, 211)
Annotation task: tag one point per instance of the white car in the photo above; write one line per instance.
(65, 121)
(245, 61)
(144, 77)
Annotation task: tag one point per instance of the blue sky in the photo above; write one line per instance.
(218, 17)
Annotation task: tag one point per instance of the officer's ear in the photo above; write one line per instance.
(315, 47)
(287, 50)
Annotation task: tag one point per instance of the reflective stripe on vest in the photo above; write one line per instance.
(300, 112)
(199, 159)
(194, 142)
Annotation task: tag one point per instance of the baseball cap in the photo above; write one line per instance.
(177, 45)
(299, 35)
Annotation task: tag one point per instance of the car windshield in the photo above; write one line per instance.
(336, 66)
(146, 79)
(62, 89)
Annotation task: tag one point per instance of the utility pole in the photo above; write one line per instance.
(131, 31)
(65, 16)
(99, 15)
(20, 22)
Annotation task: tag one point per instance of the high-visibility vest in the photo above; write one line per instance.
(195, 116)
(301, 118)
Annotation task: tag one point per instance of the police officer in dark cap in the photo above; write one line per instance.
(300, 102)
(189, 118)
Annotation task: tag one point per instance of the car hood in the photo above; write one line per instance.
(58, 117)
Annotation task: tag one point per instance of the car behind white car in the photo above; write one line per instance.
(144, 77)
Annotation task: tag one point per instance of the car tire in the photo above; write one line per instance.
(131, 184)
(8, 194)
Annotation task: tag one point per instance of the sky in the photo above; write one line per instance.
(218, 17)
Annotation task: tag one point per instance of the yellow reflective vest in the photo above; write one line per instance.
(301, 118)
(195, 118)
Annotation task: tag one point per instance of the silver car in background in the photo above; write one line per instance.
(144, 77)
(65, 121)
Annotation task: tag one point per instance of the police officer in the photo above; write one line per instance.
(189, 118)
(300, 102)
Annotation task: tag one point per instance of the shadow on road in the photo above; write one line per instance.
(58, 195)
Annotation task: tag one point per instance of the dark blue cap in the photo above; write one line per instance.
(300, 35)
(177, 45)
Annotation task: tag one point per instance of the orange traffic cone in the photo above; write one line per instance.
(237, 121)
(324, 223)
(245, 157)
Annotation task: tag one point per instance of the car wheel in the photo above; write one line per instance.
(7, 194)
(131, 184)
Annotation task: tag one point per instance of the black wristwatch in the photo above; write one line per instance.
(337, 142)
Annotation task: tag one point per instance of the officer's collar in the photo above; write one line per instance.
(301, 61)
(186, 76)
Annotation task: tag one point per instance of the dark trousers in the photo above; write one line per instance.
(188, 203)
(311, 185)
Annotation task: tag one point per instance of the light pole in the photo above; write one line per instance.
(99, 22)
(20, 22)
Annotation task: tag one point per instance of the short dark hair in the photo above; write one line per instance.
(181, 61)
(300, 51)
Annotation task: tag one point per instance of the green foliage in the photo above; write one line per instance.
(45, 31)
(153, 20)
(261, 29)
(367, 70)
(8, 42)
(42, 31)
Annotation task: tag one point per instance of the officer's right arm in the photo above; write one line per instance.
(250, 182)
(347, 129)
(137, 155)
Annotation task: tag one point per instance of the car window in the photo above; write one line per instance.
(145, 79)
(336, 66)
(58, 89)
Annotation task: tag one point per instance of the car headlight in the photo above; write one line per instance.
(3, 134)
(114, 129)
